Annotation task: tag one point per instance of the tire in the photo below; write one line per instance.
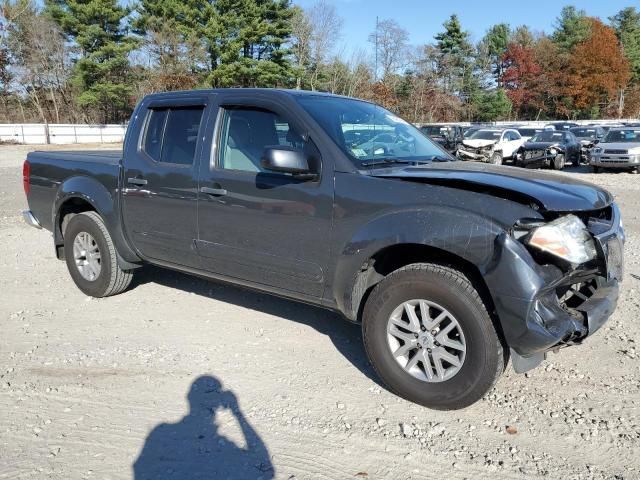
(496, 158)
(484, 359)
(558, 162)
(88, 229)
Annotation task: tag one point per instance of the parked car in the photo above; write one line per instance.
(448, 137)
(470, 130)
(491, 145)
(527, 132)
(550, 149)
(588, 138)
(562, 125)
(620, 149)
(450, 267)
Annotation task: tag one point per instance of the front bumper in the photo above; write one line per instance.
(534, 315)
(30, 219)
(479, 155)
(608, 160)
(535, 162)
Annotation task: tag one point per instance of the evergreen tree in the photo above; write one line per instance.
(101, 72)
(249, 40)
(627, 26)
(572, 27)
(492, 105)
(495, 43)
(454, 60)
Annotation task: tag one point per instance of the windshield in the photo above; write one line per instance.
(486, 135)
(623, 136)
(528, 132)
(368, 133)
(584, 132)
(548, 136)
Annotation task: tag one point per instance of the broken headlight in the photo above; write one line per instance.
(566, 238)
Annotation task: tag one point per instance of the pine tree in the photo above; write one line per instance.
(627, 26)
(495, 42)
(249, 41)
(101, 71)
(572, 27)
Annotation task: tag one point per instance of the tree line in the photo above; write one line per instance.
(92, 60)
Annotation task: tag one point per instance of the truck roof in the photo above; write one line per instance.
(261, 91)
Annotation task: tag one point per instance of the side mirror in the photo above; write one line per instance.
(597, 140)
(285, 159)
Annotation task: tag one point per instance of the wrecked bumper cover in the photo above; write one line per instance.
(531, 299)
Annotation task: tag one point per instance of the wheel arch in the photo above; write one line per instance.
(395, 257)
(82, 194)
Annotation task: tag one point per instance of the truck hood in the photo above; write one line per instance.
(619, 146)
(478, 143)
(550, 192)
(539, 145)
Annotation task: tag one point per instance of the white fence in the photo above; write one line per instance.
(38, 133)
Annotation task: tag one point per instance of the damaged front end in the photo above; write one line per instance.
(539, 157)
(478, 154)
(548, 299)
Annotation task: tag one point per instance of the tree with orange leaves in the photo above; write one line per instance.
(520, 78)
(598, 72)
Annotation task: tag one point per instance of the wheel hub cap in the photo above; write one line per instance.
(426, 340)
(87, 256)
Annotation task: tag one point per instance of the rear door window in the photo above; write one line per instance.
(171, 135)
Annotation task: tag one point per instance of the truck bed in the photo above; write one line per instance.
(54, 174)
(91, 156)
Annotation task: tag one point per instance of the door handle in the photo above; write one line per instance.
(216, 192)
(137, 181)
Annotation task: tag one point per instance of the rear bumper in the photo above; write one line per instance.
(30, 219)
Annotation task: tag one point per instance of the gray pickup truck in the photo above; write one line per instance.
(451, 268)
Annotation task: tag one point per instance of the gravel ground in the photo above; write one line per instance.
(220, 382)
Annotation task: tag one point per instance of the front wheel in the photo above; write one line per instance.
(91, 257)
(430, 338)
(558, 162)
(496, 158)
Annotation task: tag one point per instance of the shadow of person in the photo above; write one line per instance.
(194, 449)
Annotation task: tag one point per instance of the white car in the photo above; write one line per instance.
(491, 145)
(620, 149)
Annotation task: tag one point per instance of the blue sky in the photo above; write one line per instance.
(423, 19)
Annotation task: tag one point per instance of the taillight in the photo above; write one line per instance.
(26, 174)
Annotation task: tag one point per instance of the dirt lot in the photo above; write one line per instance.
(225, 383)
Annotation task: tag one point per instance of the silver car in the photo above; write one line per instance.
(619, 149)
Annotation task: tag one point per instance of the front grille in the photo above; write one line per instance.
(575, 295)
(533, 153)
(614, 160)
(616, 152)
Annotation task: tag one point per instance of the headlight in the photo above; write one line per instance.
(566, 238)
(553, 151)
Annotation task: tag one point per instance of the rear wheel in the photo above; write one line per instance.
(429, 337)
(496, 158)
(91, 257)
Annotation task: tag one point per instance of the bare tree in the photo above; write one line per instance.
(41, 60)
(391, 41)
(326, 27)
(301, 40)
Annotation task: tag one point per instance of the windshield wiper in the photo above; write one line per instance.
(399, 161)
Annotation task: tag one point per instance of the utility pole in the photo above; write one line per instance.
(375, 73)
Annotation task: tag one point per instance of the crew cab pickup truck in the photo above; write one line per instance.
(451, 267)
